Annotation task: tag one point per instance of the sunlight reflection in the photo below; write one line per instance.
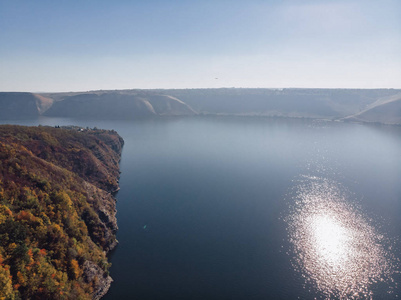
(330, 239)
(335, 248)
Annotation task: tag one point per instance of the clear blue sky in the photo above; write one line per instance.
(92, 44)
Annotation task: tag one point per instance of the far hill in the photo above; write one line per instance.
(23, 105)
(308, 103)
(385, 110)
(330, 104)
(118, 106)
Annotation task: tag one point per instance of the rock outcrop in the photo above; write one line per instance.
(100, 280)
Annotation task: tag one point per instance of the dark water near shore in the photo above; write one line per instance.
(249, 208)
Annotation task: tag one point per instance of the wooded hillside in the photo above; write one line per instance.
(57, 214)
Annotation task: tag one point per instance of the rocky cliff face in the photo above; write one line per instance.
(101, 281)
(57, 211)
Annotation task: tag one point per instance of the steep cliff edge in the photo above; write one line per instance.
(57, 212)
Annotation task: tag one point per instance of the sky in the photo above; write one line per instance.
(68, 45)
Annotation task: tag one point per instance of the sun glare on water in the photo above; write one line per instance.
(334, 246)
(330, 239)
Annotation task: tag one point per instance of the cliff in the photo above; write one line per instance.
(57, 212)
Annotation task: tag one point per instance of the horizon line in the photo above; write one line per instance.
(204, 88)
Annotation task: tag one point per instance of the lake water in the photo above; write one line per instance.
(254, 208)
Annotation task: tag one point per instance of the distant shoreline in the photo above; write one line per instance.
(382, 106)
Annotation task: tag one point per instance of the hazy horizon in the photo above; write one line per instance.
(98, 45)
(196, 88)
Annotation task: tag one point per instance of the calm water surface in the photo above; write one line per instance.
(242, 208)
